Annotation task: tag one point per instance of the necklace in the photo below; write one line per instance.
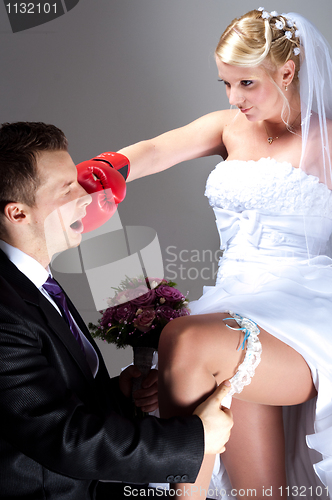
(270, 139)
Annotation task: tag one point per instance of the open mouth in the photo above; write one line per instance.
(77, 226)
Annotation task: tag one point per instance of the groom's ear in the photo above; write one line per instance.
(16, 213)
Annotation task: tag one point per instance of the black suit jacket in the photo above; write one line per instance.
(62, 430)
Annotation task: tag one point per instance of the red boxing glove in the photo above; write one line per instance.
(104, 178)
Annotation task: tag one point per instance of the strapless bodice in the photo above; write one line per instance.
(269, 186)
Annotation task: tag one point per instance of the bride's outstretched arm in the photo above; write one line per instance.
(202, 137)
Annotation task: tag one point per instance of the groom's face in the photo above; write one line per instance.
(60, 203)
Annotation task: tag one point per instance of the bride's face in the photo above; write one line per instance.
(252, 91)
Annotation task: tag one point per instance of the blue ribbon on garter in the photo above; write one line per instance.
(243, 329)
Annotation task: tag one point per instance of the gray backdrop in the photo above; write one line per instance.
(113, 72)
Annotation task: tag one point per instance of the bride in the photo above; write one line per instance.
(265, 325)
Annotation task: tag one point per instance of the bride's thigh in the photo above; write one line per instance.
(282, 378)
(205, 345)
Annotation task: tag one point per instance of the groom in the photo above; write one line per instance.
(64, 422)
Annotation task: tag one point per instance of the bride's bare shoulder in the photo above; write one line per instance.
(217, 121)
(225, 116)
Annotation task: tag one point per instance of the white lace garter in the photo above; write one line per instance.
(252, 358)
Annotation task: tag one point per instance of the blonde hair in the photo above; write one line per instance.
(260, 38)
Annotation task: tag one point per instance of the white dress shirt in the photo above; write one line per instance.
(36, 273)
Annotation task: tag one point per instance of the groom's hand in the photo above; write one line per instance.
(145, 398)
(217, 420)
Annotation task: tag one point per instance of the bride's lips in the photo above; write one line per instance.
(245, 110)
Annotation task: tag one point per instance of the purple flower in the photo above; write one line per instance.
(169, 294)
(143, 296)
(166, 313)
(124, 312)
(107, 317)
(144, 319)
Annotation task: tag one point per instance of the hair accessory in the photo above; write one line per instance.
(297, 51)
(289, 22)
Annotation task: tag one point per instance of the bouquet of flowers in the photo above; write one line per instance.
(136, 315)
(138, 312)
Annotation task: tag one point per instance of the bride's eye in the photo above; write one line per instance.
(223, 81)
(246, 83)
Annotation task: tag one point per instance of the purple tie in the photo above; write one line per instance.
(54, 290)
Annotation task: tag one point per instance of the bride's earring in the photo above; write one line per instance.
(286, 88)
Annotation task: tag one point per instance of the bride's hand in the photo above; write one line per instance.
(145, 398)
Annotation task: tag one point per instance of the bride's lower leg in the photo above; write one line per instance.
(255, 454)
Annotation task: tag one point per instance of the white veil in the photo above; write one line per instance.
(315, 78)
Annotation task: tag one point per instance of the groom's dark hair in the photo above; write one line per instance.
(20, 144)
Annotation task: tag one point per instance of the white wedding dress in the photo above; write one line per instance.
(264, 275)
